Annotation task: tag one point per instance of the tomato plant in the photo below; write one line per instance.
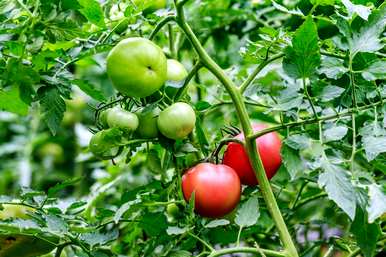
(269, 146)
(128, 128)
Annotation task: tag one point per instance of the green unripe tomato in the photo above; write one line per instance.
(122, 119)
(176, 71)
(147, 127)
(173, 210)
(14, 211)
(105, 143)
(176, 121)
(53, 150)
(103, 118)
(137, 67)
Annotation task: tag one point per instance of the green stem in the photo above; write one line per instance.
(160, 24)
(354, 142)
(202, 241)
(352, 82)
(181, 91)
(223, 252)
(309, 98)
(251, 147)
(258, 69)
(311, 121)
(354, 253)
(238, 236)
(171, 41)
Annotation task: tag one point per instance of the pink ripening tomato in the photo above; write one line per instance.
(216, 189)
(269, 146)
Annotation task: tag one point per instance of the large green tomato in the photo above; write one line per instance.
(137, 67)
(176, 121)
(105, 143)
(18, 245)
(14, 211)
(176, 71)
(122, 119)
(148, 123)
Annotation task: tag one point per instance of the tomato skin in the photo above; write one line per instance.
(137, 67)
(120, 118)
(147, 127)
(176, 71)
(269, 146)
(104, 144)
(14, 211)
(177, 121)
(217, 189)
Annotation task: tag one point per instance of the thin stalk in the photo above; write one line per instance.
(238, 236)
(223, 252)
(160, 25)
(311, 121)
(251, 147)
(258, 69)
(202, 241)
(354, 142)
(309, 98)
(171, 41)
(181, 91)
(352, 82)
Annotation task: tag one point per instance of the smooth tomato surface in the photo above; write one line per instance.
(176, 121)
(176, 71)
(137, 67)
(120, 118)
(147, 127)
(216, 188)
(269, 146)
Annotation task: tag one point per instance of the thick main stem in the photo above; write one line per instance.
(251, 147)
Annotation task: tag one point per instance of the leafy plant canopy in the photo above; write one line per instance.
(192, 128)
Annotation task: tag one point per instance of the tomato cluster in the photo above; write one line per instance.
(138, 68)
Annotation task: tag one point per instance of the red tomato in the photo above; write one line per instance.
(217, 189)
(269, 146)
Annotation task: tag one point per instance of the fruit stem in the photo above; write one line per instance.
(251, 147)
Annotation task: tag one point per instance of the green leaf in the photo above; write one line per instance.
(322, 2)
(377, 205)
(361, 10)
(303, 57)
(368, 39)
(365, 234)
(248, 213)
(93, 12)
(176, 230)
(332, 67)
(10, 101)
(298, 142)
(377, 70)
(217, 223)
(154, 223)
(373, 139)
(336, 181)
(179, 253)
(52, 107)
(335, 133)
(292, 161)
(331, 92)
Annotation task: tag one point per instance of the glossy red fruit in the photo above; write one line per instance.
(269, 146)
(217, 189)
